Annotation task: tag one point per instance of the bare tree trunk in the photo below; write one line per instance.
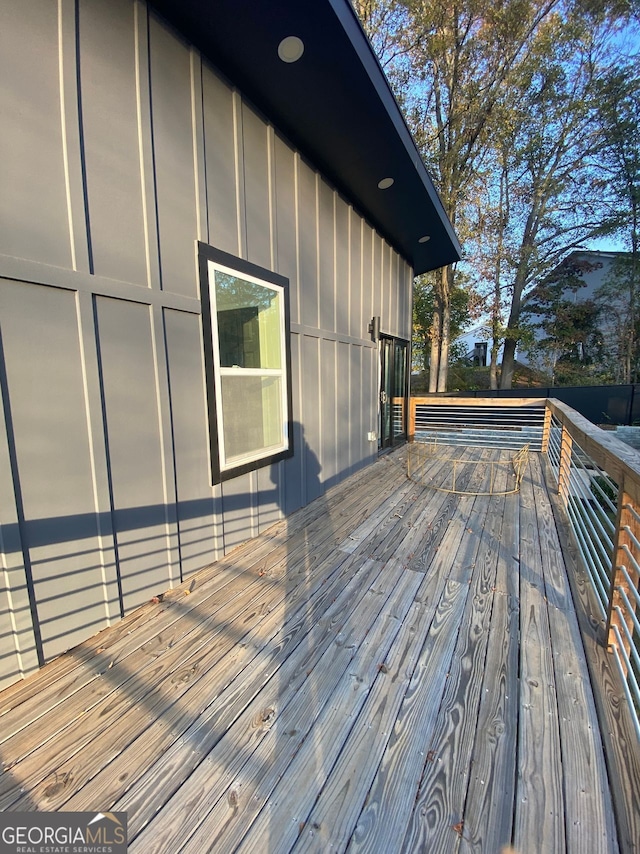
(496, 320)
(633, 344)
(443, 367)
(434, 364)
(508, 363)
(493, 367)
(511, 338)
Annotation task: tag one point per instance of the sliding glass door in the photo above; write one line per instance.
(394, 390)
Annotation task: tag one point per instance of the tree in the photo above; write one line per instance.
(617, 297)
(619, 116)
(463, 309)
(462, 56)
(502, 100)
(489, 248)
(556, 153)
(450, 64)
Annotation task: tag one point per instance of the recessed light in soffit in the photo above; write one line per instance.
(424, 239)
(290, 49)
(386, 183)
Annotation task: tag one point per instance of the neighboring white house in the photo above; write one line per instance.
(476, 344)
(596, 268)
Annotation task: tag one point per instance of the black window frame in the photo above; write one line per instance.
(207, 253)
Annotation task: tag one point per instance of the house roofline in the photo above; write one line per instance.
(334, 104)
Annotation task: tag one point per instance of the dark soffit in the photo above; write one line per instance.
(334, 104)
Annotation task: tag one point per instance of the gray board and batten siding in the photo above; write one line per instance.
(121, 147)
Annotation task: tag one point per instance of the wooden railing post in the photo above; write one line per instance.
(411, 426)
(564, 473)
(546, 430)
(627, 536)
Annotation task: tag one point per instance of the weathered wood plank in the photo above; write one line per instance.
(334, 815)
(488, 812)
(284, 813)
(515, 402)
(393, 797)
(274, 743)
(136, 710)
(376, 743)
(539, 803)
(178, 741)
(439, 812)
(24, 702)
(165, 656)
(332, 693)
(383, 515)
(194, 730)
(402, 520)
(161, 623)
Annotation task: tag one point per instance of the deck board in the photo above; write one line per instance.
(439, 813)
(539, 814)
(394, 668)
(488, 820)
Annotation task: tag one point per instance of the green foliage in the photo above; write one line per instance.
(619, 122)
(424, 300)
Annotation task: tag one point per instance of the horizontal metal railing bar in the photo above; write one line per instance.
(632, 510)
(595, 570)
(581, 530)
(631, 535)
(603, 497)
(591, 495)
(480, 433)
(579, 489)
(450, 422)
(594, 542)
(588, 498)
(602, 555)
(632, 560)
(632, 586)
(621, 462)
(625, 629)
(479, 412)
(466, 419)
(422, 418)
(476, 442)
(618, 651)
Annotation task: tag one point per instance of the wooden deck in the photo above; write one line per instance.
(394, 668)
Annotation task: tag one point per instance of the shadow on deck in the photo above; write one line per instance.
(393, 668)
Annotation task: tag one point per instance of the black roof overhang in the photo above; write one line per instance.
(334, 104)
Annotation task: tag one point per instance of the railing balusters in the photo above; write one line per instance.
(625, 575)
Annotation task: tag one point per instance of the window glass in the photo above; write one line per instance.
(247, 357)
(249, 318)
(252, 422)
